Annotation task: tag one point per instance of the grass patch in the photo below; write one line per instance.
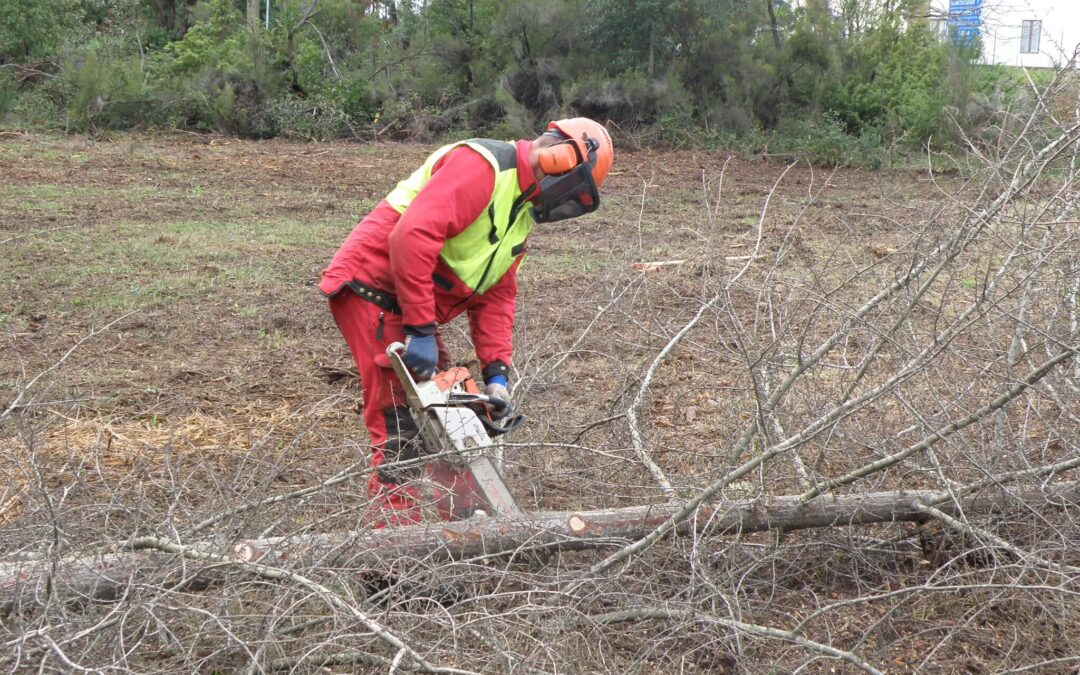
(261, 236)
(136, 264)
(48, 198)
(564, 263)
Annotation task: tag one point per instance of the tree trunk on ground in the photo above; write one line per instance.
(106, 575)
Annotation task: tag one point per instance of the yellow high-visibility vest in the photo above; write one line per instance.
(482, 253)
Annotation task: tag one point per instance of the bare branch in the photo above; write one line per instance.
(753, 629)
(59, 362)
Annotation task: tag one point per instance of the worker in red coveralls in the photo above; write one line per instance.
(449, 239)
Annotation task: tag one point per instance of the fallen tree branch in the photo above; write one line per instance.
(104, 575)
(931, 265)
(998, 403)
(812, 429)
(691, 506)
(276, 573)
(753, 629)
(320, 661)
(997, 541)
(925, 588)
(639, 400)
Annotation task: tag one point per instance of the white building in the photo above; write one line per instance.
(1029, 33)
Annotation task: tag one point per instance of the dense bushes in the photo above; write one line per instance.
(803, 81)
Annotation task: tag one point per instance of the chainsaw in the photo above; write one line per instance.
(461, 480)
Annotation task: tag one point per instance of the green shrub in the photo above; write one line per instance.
(219, 76)
(485, 114)
(230, 102)
(216, 42)
(351, 94)
(517, 121)
(629, 99)
(315, 118)
(35, 108)
(825, 141)
(110, 95)
(822, 85)
(9, 93)
(32, 29)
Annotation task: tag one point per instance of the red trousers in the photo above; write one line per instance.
(369, 330)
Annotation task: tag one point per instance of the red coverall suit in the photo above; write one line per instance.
(398, 255)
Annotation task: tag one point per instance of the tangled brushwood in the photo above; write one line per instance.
(781, 419)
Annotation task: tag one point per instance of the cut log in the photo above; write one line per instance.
(106, 575)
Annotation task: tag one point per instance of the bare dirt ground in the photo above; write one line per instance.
(205, 371)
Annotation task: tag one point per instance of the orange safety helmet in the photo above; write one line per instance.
(574, 168)
(576, 132)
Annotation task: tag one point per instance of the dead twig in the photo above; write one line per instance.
(59, 362)
(753, 629)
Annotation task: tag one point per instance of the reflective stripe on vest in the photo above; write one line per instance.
(481, 253)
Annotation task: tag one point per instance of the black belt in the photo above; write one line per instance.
(375, 296)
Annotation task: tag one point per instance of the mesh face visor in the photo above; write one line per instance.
(568, 195)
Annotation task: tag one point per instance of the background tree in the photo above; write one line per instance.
(833, 82)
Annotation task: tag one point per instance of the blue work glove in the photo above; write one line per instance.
(421, 353)
(497, 388)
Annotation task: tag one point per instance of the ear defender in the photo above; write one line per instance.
(558, 159)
